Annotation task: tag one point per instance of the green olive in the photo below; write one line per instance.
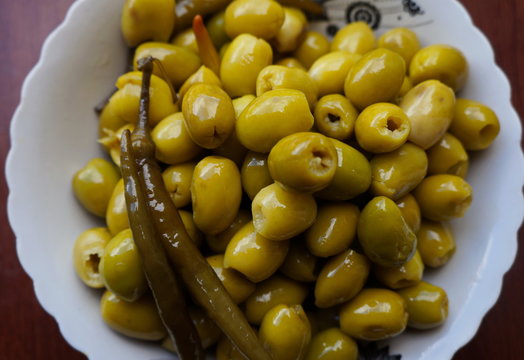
(280, 214)
(382, 127)
(341, 279)
(216, 27)
(94, 184)
(112, 141)
(402, 276)
(203, 75)
(177, 179)
(138, 319)
(330, 70)
(253, 255)
(186, 39)
(116, 215)
(356, 37)
(443, 197)
(173, 142)
(430, 106)
(242, 62)
(376, 77)
(285, 332)
(255, 173)
(402, 41)
(436, 243)
(299, 264)
(448, 156)
(427, 305)
(109, 122)
(404, 89)
(121, 267)
(384, 235)
(333, 230)
(410, 211)
(261, 18)
(218, 243)
(396, 173)
(290, 34)
(272, 116)
(440, 62)
(291, 62)
(311, 48)
(352, 176)
(216, 192)
(272, 292)
(227, 351)
(87, 252)
(332, 344)
(374, 314)
(236, 285)
(194, 233)
(335, 116)
(474, 124)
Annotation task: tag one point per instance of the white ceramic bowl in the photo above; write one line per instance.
(53, 134)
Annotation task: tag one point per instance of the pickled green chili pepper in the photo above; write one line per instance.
(198, 277)
(206, 48)
(168, 295)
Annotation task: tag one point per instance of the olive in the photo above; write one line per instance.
(203, 75)
(382, 127)
(109, 122)
(285, 332)
(311, 48)
(384, 235)
(186, 39)
(436, 243)
(177, 179)
(333, 230)
(189, 224)
(335, 116)
(218, 243)
(112, 141)
(396, 173)
(427, 305)
(292, 31)
(402, 276)
(253, 255)
(474, 124)
(410, 211)
(402, 41)
(138, 319)
(216, 191)
(272, 292)
(404, 89)
(356, 37)
(236, 285)
(216, 27)
(87, 252)
(280, 214)
(330, 70)
(291, 62)
(341, 279)
(241, 103)
(448, 156)
(374, 314)
(332, 344)
(121, 267)
(261, 18)
(255, 173)
(94, 184)
(443, 197)
(299, 264)
(116, 215)
(376, 77)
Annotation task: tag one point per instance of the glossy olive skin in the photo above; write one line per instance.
(404, 89)
(427, 305)
(335, 116)
(87, 252)
(330, 71)
(382, 127)
(410, 211)
(253, 255)
(440, 62)
(356, 37)
(173, 142)
(236, 285)
(304, 161)
(262, 18)
(121, 267)
(341, 279)
(186, 39)
(396, 173)
(299, 264)
(109, 122)
(291, 62)
(384, 235)
(255, 173)
(203, 75)
(144, 20)
(216, 191)
(430, 106)
(402, 276)
(194, 233)
(402, 41)
(332, 344)
(352, 177)
(218, 243)
(227, 351)
(474, 124)
(374, 314)
(178, 62)
(138, 319)
(285, 332)
(333, 230)
(436, 243)
(242, 62)
(291, 32)
(443, 197)
(311, 48)
(272, 292)
(216, 28)
(280, 214)
(282, 77)
(209, 115)
(448, 156)
(272, 116)
(94, 184)
(116, 214)
(177, 179)
(376, 77)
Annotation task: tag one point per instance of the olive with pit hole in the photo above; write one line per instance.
(448, 156)
(177, 179)
(87, 253)
(436, 243)
(335, 116)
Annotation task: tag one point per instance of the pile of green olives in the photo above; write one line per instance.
(316, 175)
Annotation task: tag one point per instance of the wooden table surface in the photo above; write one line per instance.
(28, 332)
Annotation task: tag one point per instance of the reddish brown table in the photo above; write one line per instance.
(28, 332)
